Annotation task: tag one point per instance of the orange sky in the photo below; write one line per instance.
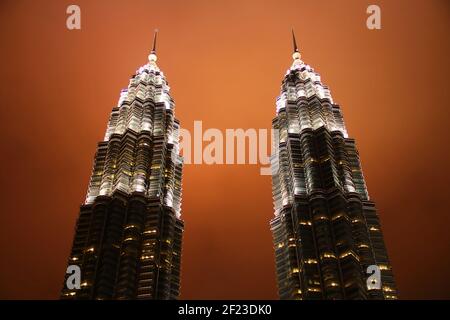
(224, 61)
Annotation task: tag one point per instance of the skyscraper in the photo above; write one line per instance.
(326, 231)
(128, 234)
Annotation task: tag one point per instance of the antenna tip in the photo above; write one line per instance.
(294, 42)
(154, 42)
(296, 55)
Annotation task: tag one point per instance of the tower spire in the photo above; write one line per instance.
(293, 41)
(154, 41)
(152, 56)
(296, 55)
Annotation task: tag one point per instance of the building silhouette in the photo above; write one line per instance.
(326, 231)
(128, 235)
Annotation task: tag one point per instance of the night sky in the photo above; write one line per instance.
(224, 61)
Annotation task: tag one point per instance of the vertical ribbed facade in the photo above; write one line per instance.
(129, 233)
(326, 231)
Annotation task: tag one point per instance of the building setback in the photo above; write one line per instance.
(128, 234)
(326, 231)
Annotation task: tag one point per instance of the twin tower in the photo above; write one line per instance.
(326, 231)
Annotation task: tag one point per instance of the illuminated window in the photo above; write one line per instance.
(320, 217)
(328, 255)
(337, 216)
(349, 253)
(334, 284)
(310, 261)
